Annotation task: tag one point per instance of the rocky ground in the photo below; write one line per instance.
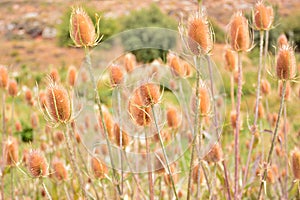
(27, 28)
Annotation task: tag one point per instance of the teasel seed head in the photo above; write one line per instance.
(200, 34)
(72, 76)
(3, 77)
(204, 100)
(287, 91)
(108, 121)
(173, 117)
(196, 175)
(116, 74)
(175, 65)
(82, 29)
(286, 63)
(18, 126)
(58, 137)
(34, 119)
(239, 33)
(231, 61)
(233, 118)
(263, 16)
(296, 164)
(12, 88)
(125, 137)
(37, 164)
(58, 103)
(129, 62)
(99, 168)
(282, 40)
(167, 178)
(139, 114)
(215, 155)
(150, 94)
(261, 111)
(54, 75)
(11, 151)
(59, 170)
(265, 87)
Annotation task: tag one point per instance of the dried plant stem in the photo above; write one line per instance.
(150, 176)
(46, 190)
(199, 157)
(266, 48)
(254, 127)
(66, 191)
(237, 130)
(206, 177)
(12, 116)
(103, 189)
(73, 161)
(273, 137)
(164, 151)
(98, 102)
(286, 152)
(232, 91)
(121, 141)
(196, 126)
(3, 136)
(12, 182)
(226, 180)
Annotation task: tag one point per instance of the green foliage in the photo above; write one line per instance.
(108, 26)
(218, 31)
(27, 134)
(148, 17)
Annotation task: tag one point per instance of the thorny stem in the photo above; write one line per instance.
(273, 137)
(3, 136)
(199, 158)
(164, 151)
(226, 180)
(237, 130)
(206, 177)
(12, 182)
(73, 161)
(98, 101)
(232, 90)
(150, 177)
(266, 48)
(254, 128)
(46, 190)
(12, 115)
(121, 141)
(286, 152)
(195, 124)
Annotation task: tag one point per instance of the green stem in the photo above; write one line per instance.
(46, 190)
(164, 151)
(12, 182)
(273, 137)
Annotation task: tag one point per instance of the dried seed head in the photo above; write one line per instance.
(286, 63)
(197, 174)
(60, 170)
(296, 164)
(3, 77)
(239, 33)
(11, 151)
(261, 111)
(187, 68)
(139, 114)
(109, 123)
(173, 117)
(165, 136)
(270, 176)
(42, 99)
(34, 119)
(230, 59)
(233, 118)
(58, 137)
(58, 103)
(263, 16)
(82, 30)
(150, 93)
(204, 100)
(176, 66)
(282, 40)
(265, 87)
(77, 137)
(99, 168)
(54, 75)
(215, 155)
(125, 137)
(72, 75)
(12, 88)
(28, 96)
(37, 165)
(116, 74)
(18, 126)
(129, 62)
(200, 35)
(167, 178)
(287, 91)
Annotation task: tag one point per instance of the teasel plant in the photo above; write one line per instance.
(263, 18)
(285, 72)
(87, 35)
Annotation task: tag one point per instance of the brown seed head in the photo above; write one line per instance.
(296, 164)
(167, 178)
(282, 40)
(60, 170)
(200, 35)
(37, 165)
(82, 30)
(116, 74)
(204, 100)
(230, 59)
(42, 99)
(239, 33)
(233, 118)
(3, 76)
(263, 16)
(173, 117)
(129, 62)
(176, 66)
(34, 119)
(72, 75)
(108, 121)
(18, 126)
(215, 155)
(150, 94)
(54, 75)
(261, 111)
(11, 151)
(287, 91)
(125, 137)
(99, 168)
(197, 173)
(139, 114)
(58, 137)
(265, 87)
(28, 96)
(12, 88)
(286, 63)
(58, 103)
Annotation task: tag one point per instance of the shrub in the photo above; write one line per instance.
(148, 17)
(108, 26)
